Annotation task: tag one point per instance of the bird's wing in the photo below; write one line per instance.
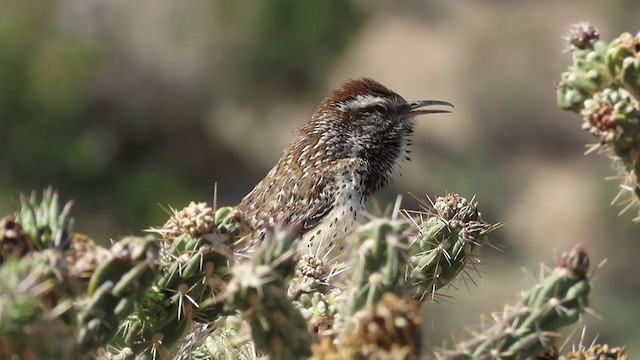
(302, 196)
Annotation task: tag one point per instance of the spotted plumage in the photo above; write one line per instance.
(345, 153)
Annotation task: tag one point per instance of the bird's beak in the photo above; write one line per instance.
(416, 107)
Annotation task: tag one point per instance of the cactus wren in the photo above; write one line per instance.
(345, 153)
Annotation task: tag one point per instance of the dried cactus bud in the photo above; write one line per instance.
(575, 261)
(14, 241)
(83, 257)
(613, 116)
(450, 206)
(599, 352)
(389, 329)
(390, 326)
(194, 219)
(311, 275)
(311, 266)
(581, 36)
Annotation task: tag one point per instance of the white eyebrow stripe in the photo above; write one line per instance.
(363, 101)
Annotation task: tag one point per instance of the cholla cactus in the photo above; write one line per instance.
(197, 291)
(588, 74)
(258, 290)
(445, 240)
(230, 336)
(36, 315)
(193, 271)
(116, 286)
(342, 302)
(603, 85)
(46, 224)
(530, 327)
(379, 263)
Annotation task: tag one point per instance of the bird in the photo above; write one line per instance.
(346, 152)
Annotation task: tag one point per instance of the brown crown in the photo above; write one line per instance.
(362, 86)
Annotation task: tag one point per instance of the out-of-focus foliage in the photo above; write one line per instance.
(280, 44)
(45, 84)
(82, 109)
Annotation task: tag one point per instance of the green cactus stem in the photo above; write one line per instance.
(36, 308)
(115, 288)
(445, 243)
(194, 268)
(224, 341)
(258, 289)
(588, 74)
(529, 328)
(379, 262)
(44, 221)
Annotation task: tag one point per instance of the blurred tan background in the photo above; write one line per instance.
(124, 105)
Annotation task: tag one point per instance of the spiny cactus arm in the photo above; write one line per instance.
(379, 262)
(194, 263)
(529, 328)
(386, 252)
(225, 339)
(36, 308)
(589, 73)
(444, 240)
(603, 85)
(117, 285)
(258, 289)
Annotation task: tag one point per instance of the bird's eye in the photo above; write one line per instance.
(380, 109)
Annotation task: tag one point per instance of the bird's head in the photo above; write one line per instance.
(363, 119)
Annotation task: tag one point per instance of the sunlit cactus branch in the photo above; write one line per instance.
(603, 85)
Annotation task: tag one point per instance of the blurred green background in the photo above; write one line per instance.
(126, 105)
